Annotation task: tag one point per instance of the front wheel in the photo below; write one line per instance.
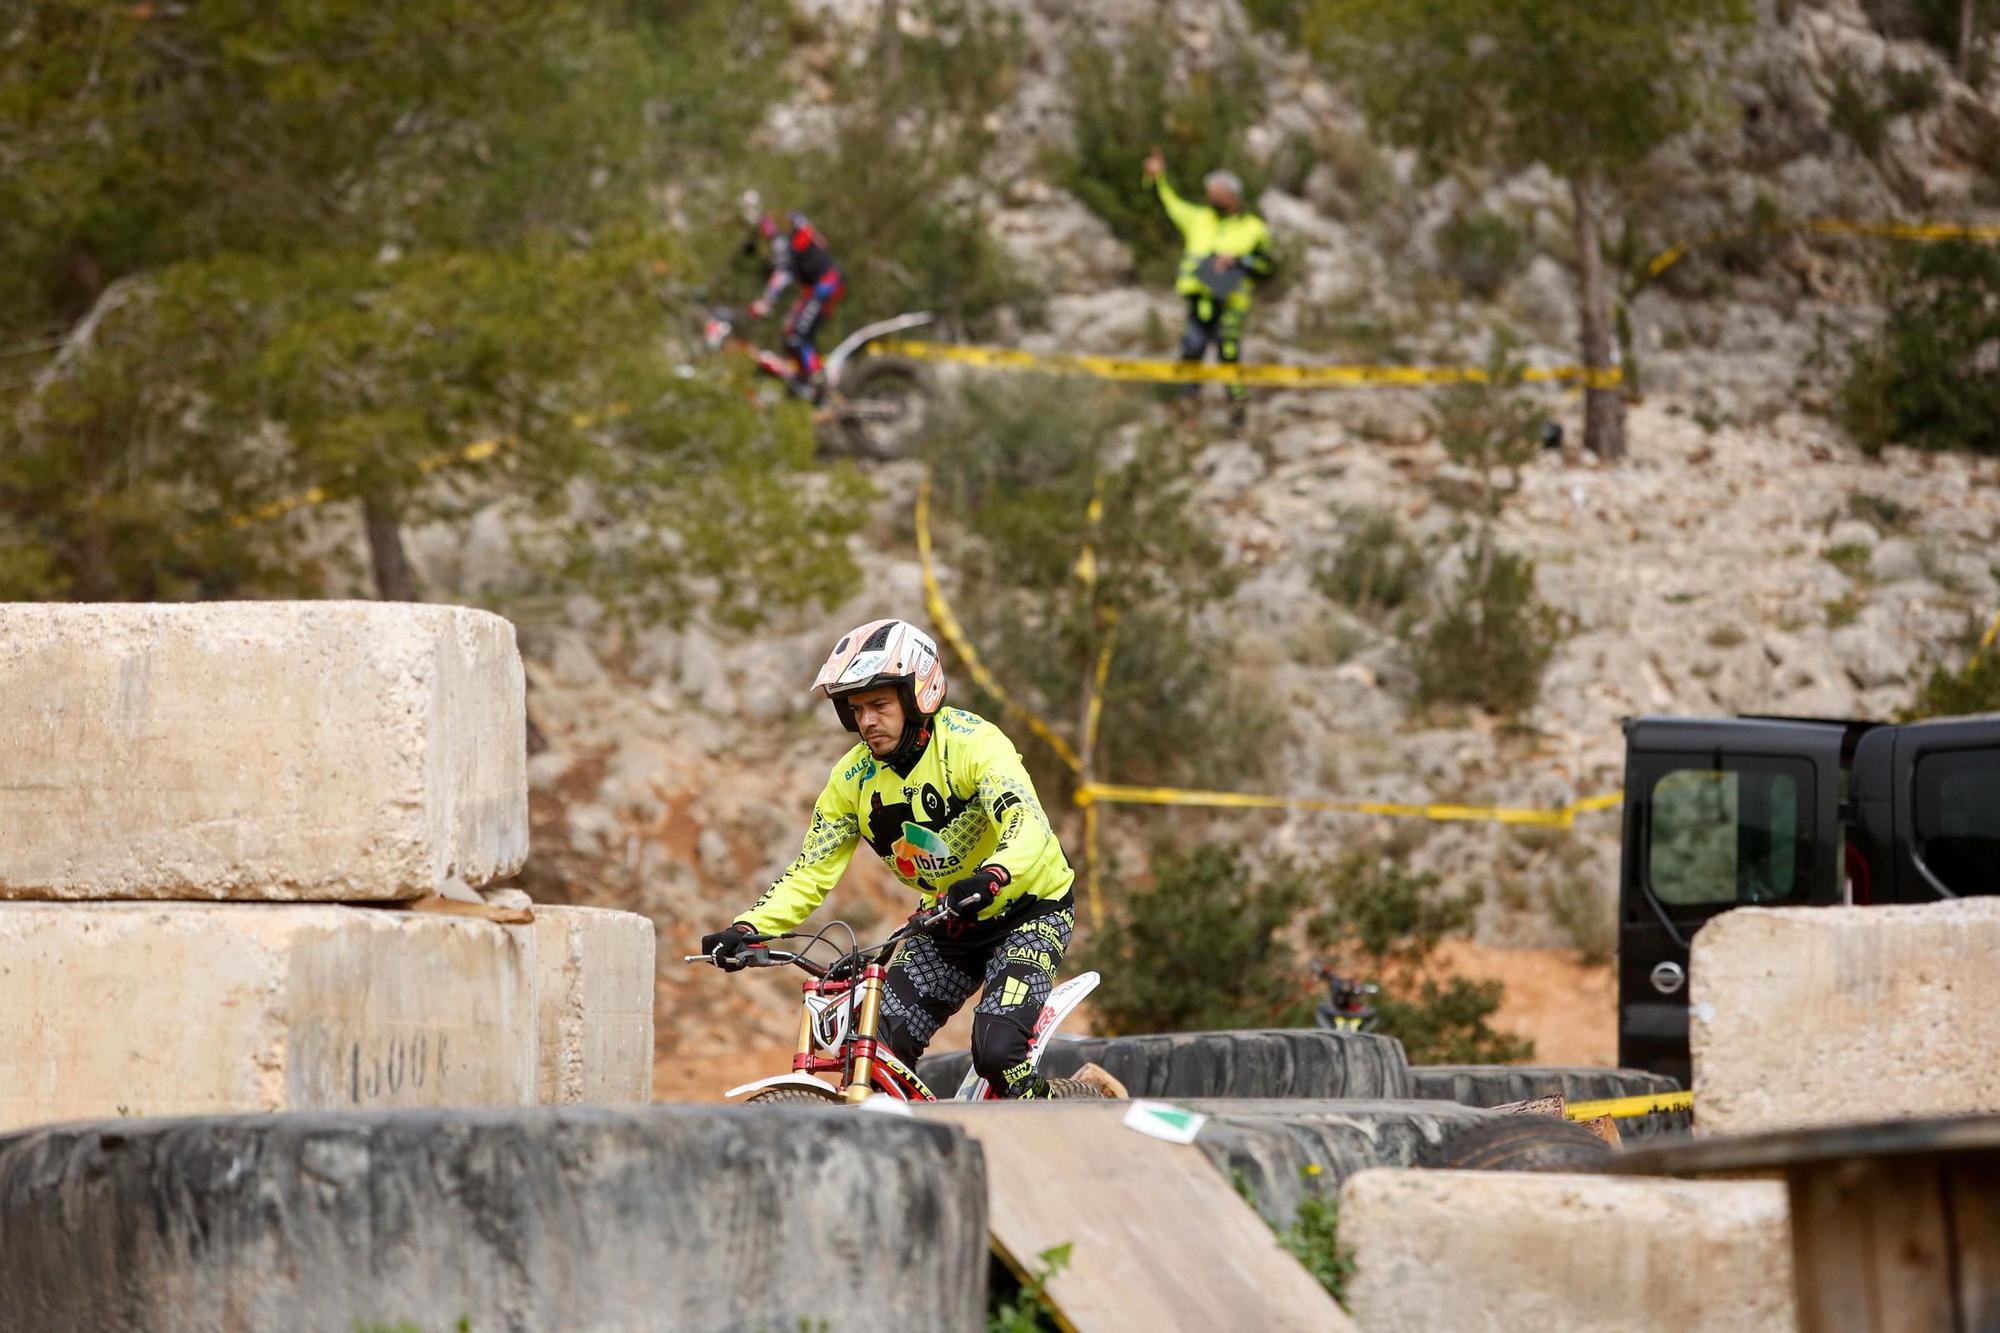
(885, 404)
(791, 1097)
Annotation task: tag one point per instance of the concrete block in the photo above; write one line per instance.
(195, 1008)
(573, 1218)
(1821, 1015)
(1504, 1251)
(593, 1005)
(258, 750)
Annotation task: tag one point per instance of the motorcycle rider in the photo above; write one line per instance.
(1227, 250)
(941, 795)
(798, 256)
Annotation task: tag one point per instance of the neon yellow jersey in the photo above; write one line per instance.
(967, 802)
(1205, 232)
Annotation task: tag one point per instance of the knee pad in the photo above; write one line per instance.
(999, 1047)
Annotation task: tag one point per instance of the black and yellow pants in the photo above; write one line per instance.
(1014, 956)
(1217, 323)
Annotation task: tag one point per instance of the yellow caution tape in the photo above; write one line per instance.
(1563, 817)
(1624, 1108)
(1896, 231)
(954, 634)
(1144, 371)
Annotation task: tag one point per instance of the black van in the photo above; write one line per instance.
(1786, 812)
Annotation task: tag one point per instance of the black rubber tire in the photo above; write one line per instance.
(791, 1097)
(551, 1217)
(1285, 1062)
(1520, 1143)
(1496, 1085)
(1072, 1090)
(874, 378)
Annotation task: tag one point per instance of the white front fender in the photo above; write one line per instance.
(792, 1080)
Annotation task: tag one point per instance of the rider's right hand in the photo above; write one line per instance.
(726, 946)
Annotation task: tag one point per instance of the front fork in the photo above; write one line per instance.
(861, 1071)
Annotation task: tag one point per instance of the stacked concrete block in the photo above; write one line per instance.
(594, 1004)
(197, 1008)
(339, 752)
(1503, 1251)
(281, 763)
(1814, 1016)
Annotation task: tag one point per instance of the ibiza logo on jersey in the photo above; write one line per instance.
(920, 852)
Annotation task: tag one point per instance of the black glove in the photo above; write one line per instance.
(726, 944)
(975, 893)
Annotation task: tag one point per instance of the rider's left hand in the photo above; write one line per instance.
(759, 308)
(975, 893)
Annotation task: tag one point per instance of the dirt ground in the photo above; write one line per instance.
(1570, 1009)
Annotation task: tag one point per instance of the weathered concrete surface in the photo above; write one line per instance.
(1506, 1251)
(1279, 1062)
(593, 1005)
(196, 1008)
(1158, 1238)
(1813, 1016)
(258, 750)
(1286, 1151)
(574, 1218)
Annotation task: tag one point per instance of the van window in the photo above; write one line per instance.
(1727, 836)
(1957, 815)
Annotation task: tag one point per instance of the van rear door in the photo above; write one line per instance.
(1718, 814)
(1927, 806)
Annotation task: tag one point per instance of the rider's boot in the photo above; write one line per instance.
(812, 388)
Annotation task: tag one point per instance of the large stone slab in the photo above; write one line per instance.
(258, 750)
(1505, 1251)
(1158, 1239)
(1822, 1015)
(593, 1005)
(195, 1008)
(573, 1218)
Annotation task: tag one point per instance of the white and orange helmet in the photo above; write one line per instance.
(884, 652)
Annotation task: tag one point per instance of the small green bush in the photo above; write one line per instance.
(1929, 378)
(1376, 570)
(1013, 1306)
(1491, 639)
(1129, 98)
(1855, 112)
(1388, 923)
(1313, 1237)
(1205, 948)
(1585, 916)
(1948, 692)
(1483, 251)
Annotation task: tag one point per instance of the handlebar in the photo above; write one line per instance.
(756, 954)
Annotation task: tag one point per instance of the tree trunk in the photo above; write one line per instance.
(889, 44)
(1603, 399)
(395, 581)
(1965, 36)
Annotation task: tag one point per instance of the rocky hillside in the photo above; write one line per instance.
(1747, 558)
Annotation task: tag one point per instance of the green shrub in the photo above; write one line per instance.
(1585, 916)
(1972, 688)
(1855, 112)
(1483, 251)
(1013, 1306)
(1376, 570)
(1313, 1237)
(1929, 378)
(1206, 947)
(1491, 638)
(1127, 99)
(1388, 924)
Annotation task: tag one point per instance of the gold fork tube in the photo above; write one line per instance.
(871, 1015)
